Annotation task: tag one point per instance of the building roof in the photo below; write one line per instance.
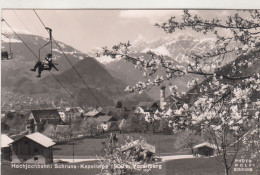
(171, 106)
(46, 114)
(74, 110)
(105, 118)
(144, 146)
(5, 141)
(94, 112)
(145, 104)
(170, 98)
(41, 139)
(205, 144)
(63, 128)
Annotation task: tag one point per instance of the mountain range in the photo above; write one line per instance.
(173, 47)
(106, 78)
(96, 85)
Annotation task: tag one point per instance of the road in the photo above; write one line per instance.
(92, 158)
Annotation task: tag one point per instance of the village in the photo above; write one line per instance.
(111, 103)
(64, 125)
(48, 131)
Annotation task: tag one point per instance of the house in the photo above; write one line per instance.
(6, 147)
(94, 113)
(70, 114)
(63, 116)
(170, 106)
(73, 114)
(39, 118)
(147, 109)
(174, 111)
(205, 149)
(146, 106)
(113, 110)
(32, 148)
(106, 122)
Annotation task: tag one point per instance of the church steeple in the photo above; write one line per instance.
(162, 97)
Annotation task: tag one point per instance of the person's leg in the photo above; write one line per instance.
(50, 66)
(40, 69)
(38, 64)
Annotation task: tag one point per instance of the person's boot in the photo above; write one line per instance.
(33, 70)
(39, 76)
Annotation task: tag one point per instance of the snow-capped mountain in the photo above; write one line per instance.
(175, 47)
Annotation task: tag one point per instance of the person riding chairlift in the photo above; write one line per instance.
(44, 65)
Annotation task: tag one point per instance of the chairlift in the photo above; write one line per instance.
(5, 55)
(47, 64)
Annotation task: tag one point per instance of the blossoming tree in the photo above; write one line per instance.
(124, 158)
(227, 89)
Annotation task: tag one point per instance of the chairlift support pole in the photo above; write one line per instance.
(50, 32)
(11, 54)
(50, 42)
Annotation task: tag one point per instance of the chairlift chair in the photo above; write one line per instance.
(48, 65)
(4, 54)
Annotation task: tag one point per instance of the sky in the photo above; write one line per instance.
(87, 29)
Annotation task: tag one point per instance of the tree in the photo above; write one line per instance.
(15, 121)
(124, 159)
(252, 143)
(49, 130)
(138, 123)
(188, 139)
(89, 126)
(119, 104)
(227, 89)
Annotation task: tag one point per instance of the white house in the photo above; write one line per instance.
(106, 122)
(63, 116)
(73, 114)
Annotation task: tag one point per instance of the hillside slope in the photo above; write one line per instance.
(22, 84)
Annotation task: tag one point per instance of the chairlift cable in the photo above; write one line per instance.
(37, 57)
(29, 31)
(65, 89)
(69, 61)
(70, 64)
(18, 17)
(20, 38)
(43, 47)
(49, 71)
(74, 69)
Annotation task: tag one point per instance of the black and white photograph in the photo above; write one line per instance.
(130, 91)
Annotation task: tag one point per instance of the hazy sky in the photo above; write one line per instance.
(86, 29)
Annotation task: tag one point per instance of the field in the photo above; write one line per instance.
(90, 147)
